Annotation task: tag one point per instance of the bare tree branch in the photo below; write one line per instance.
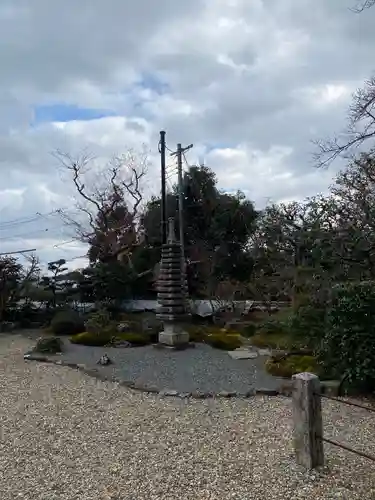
(360, 128)
(108, 204)
(361, 6)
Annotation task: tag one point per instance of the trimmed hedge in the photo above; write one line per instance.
(106, 337)
(224, 341)
(348, 347)
(67, 323)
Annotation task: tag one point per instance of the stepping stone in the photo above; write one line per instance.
(264, 352)
(242, 354)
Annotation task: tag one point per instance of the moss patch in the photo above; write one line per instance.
(105, 337)
(225, 341)
(291, 365)
(276, 341)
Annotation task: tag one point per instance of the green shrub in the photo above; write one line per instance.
(249, 330)
(91, 339)
(348, 347)
(106, 337)
(276, 341)
(273, 326)
(67, 323)
(136, 339)
(48, 345)
(224, 341)
(197, 333)
(286, 367)
(98, 321)
(308, 322)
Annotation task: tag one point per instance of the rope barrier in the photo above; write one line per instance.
(349, 403)
(342, 446)
(347, 448)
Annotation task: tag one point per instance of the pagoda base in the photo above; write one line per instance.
(173, 335)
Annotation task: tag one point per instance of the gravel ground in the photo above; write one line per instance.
(67, 436)
(201, 368)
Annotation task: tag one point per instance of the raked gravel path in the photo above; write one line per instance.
(67, 436)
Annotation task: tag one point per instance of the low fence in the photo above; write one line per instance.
(308, 434)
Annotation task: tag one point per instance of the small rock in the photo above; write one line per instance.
(33, 356)
(121, 343)
(250, 393)
(152, 389)
(184, 395)
(104, 360)
(242, 354)
(123, 327)
(167, 392)
(226, 394)
(267, 392)
(199, 395)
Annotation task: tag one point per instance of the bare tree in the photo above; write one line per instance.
(284, 246)
(364, 4)
(354, 203)
(360, 128)
(109, 201)
(30, 273)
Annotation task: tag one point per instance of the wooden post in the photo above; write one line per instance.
(308, 423)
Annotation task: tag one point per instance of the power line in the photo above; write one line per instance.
(27, 235)
(18, 251)
(22, 220)
(27, 220)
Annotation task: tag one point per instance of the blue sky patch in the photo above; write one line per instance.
(66, 113)
(152, 82)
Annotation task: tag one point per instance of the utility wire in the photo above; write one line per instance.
(22, 220)
(27, 235)
(26, 220)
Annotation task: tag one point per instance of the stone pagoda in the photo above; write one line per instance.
(172, 293)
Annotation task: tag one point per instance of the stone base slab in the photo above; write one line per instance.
(173, 335)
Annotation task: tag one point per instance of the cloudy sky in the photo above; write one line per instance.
(249, 82)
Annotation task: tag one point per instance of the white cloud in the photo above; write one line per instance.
(249, 83)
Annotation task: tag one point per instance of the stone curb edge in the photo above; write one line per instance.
(93, 372)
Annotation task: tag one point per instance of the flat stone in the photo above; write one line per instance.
(173, 335)
(199, 395)
(242, 354)
(152, 389)
(184, 395)
(267, 392)
(226, 394)
(264, 352)
(168, 392)
(32, 356)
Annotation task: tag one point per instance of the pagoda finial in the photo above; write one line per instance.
(171, 232)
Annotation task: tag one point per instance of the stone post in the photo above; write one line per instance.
(308, 424)
(171, 293)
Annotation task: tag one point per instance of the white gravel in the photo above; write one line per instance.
(66, 436)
